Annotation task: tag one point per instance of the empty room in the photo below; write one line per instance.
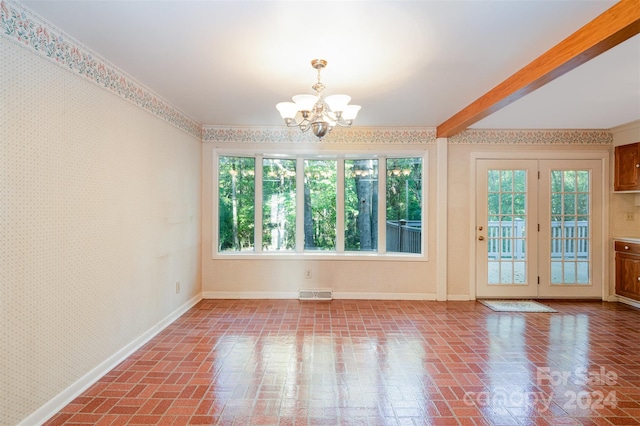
(420, 212)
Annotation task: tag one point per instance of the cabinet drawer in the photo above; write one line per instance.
(624, 247)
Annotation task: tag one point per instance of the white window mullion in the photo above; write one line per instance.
(382, 205)
(340, 206)
(258, 205)
(299, 205)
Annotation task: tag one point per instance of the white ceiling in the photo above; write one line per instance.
(408, 63)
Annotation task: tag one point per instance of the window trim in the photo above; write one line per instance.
(339, 253)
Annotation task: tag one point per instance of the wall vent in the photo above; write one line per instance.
(314, 295)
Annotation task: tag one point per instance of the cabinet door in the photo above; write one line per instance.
(627, 167)
(628, 275)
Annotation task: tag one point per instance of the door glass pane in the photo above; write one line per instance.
(361, 205)
(279, 204)
(320, 204)
(570, 216)
(506, 230)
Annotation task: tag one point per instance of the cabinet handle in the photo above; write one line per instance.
(637, 165)
(626, 247)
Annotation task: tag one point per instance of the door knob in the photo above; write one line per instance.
(481, 238)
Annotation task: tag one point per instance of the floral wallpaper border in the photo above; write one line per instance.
(533, 137)
(25, 27)
(415, 136)
(364, 135)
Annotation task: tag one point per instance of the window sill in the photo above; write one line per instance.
(329, 256)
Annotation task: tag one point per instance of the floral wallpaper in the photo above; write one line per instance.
(25, 27)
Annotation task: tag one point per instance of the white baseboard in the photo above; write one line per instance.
(627, 301)
(336, 295)
(250, 295)
(383, 296)
(459, 297)
(58, 402)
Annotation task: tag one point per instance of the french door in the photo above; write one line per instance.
(538, 228)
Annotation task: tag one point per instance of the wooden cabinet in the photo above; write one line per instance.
(628, 269)
(627, 168)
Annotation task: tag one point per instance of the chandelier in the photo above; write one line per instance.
(317, 112)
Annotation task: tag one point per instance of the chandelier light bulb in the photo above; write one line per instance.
(316, 112)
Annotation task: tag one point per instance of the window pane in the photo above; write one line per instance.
(583, 180)
(506, 181)
(236, 183)
(493, 180)
(569, 204)
(556, 181)
(583, 204)
(506, 203)
(320, 204)
(404, 205)
(520, 181)
(279, 204)
(361, 205)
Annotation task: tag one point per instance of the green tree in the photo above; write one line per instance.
(236, 203)
(320, 204)
(404, 189)
(361, 204)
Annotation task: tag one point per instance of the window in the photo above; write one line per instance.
(320, 204)
(236, 203)
(404, 205)
(361, 205)
(278, 204)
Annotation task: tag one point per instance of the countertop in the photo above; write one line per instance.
(627, 240)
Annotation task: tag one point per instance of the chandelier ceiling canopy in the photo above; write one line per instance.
(317, 112)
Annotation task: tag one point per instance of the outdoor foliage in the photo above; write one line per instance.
(320, 204)
(361, 205)
(237, 202)
(279, 204)
(404, 189)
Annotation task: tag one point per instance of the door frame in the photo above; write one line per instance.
(603, 156)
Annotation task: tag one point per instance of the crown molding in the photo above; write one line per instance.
(633, 125)
(26, 28)
(533, 137)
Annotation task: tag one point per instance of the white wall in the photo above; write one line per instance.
(99, 217)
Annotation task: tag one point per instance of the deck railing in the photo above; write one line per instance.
(569, 239)
(404, 236)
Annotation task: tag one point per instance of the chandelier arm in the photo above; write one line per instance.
(343, 124)
(293, 123)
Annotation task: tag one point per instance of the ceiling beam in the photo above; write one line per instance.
(617, 24)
